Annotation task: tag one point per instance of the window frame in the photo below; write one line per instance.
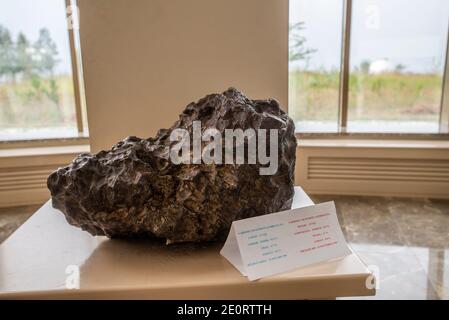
(77, 74)
(82, 138)
(343, 100)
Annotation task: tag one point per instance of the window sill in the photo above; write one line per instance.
(373, 143)
(44, 143)
(372, 136)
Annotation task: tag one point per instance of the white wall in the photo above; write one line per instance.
(145, 60)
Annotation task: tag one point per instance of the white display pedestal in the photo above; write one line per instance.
(35, 259)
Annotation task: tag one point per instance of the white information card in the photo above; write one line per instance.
(266, 245)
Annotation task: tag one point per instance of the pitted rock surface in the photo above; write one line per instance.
(135, 190)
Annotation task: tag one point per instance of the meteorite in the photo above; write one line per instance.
(137, 190)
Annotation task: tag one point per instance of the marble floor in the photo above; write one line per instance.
(12, 218)
(405, 242)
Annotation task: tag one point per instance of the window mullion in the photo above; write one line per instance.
(344, 66)
(444, 110)
(75, 75)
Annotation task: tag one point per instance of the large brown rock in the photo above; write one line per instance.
(134, 190)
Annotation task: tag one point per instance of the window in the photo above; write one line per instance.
(40, 80)
(315, 64)
(368, 66)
